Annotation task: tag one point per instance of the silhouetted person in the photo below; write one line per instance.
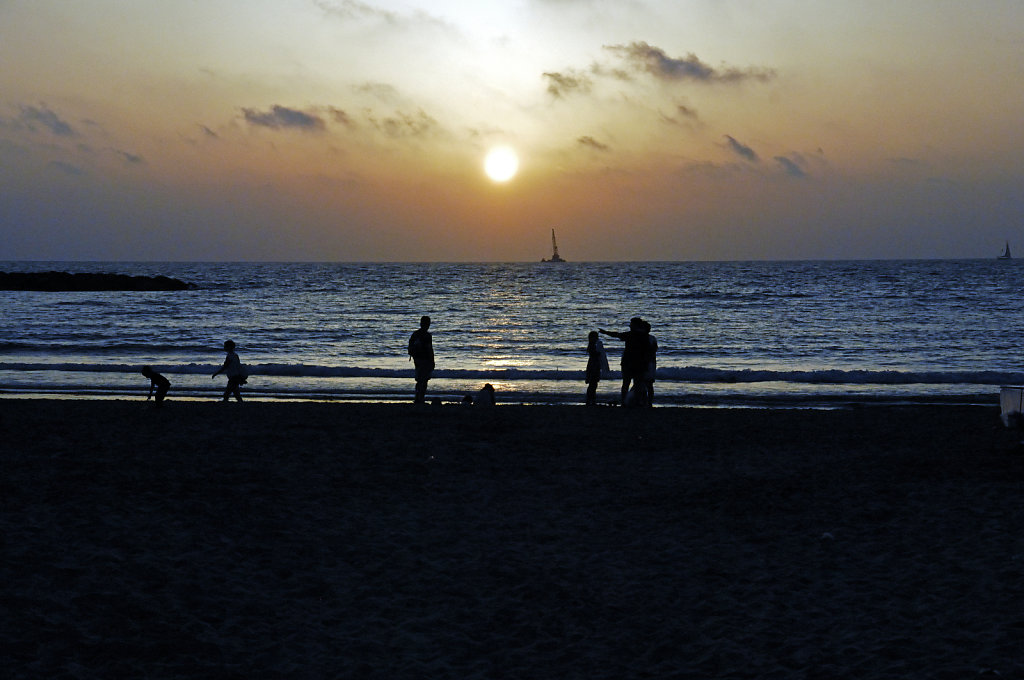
(597, 364)
(652, 365)
(635, 359)
(232, 368)
(485, 397)
(421, 351)
(157, 381)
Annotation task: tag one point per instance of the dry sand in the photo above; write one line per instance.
(263, 540)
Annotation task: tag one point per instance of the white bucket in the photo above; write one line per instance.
(1011, 402)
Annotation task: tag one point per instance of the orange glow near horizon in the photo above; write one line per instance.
(439, 130)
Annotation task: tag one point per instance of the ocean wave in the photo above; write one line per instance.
(101, 346)
(688, 374)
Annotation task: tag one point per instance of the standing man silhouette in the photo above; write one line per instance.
(636, 358)
(421, 351)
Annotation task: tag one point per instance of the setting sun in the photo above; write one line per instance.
(501, 164)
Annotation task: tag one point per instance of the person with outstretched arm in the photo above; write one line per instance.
(636, 358)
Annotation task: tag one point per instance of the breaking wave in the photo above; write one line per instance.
(688, 374)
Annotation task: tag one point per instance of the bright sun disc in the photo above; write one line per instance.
(501, 164)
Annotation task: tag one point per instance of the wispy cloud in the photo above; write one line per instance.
(67, 168)
(282, 117)
(352, 9)
(562, 84)
(33, 117)
(592, 143)
(131, 158)
(791, 167)
(646, 58)
(686, 111)
(681, 115)
(742, 150)
(404, 124)
(342, 116)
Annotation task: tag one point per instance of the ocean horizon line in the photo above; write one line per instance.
(506, 262)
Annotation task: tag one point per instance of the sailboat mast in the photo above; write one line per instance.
(554, 246)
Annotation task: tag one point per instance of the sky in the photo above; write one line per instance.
(357, 130)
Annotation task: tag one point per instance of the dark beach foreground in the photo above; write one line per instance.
(276, 540)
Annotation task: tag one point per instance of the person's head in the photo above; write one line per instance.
(488, 387)
(646, 325)
(592, 336)
(424, 322)
(147, 371)
(229, 345)
(636, 323)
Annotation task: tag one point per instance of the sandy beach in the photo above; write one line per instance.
(286, 540)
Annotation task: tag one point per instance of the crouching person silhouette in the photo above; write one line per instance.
(157, 382)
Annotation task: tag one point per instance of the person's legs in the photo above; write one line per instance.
(233, 388)
(161, 392)
(421, 391)
(592, 393)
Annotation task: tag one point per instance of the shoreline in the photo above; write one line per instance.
(668, 396)
(298, 540)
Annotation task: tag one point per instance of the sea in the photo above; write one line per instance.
(805, 334)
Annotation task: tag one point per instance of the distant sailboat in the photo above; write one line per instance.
(554, 250)
(1006, 253)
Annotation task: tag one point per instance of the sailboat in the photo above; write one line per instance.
(554, 250)
(1006, 253)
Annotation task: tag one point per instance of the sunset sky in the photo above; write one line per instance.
(645, 129)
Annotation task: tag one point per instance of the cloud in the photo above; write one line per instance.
(652, 60)
(355, 11)
(404, 124)
(682, 115)
(32, 116)
(791, 167)
(562, 84)
(67, 168)
(282, 117)
(742, 150)
(341, 116)
(127, 157)
(686, 111)
(592, 143)
(352, 9)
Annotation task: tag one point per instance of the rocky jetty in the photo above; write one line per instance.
(65, 281)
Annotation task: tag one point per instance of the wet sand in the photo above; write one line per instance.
(278, 540)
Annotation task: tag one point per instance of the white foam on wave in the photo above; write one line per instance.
(687, 374)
